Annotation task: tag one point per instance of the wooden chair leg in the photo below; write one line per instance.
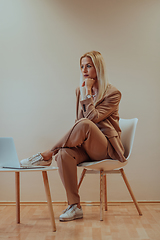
(81, 177)
(17, 189)
(101, 194)
(48, 195)
(105, 192)
(130, 190)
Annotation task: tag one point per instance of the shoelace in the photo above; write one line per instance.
(70, 209)
(35, 158)
(67, 209)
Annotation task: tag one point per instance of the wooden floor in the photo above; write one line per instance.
(121, 221)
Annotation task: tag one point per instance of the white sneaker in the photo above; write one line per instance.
(35, 160)
(71, 213)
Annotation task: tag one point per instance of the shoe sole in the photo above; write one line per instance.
(70, 219)
(43, 164)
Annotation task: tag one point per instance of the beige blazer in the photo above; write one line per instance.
(105, 115)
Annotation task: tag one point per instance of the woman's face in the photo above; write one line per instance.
(88, 69)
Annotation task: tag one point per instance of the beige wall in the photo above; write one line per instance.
(40, 46)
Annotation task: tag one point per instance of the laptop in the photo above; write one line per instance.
(8, 155)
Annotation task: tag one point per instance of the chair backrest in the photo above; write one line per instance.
(128, 127)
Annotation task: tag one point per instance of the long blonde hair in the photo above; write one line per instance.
(99, 65)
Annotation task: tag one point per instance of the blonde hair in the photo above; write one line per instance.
(99, 65)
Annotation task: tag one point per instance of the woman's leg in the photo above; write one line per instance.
(84, 142)
(84, 133)
(67, 160)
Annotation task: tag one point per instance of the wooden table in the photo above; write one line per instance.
(46, 185)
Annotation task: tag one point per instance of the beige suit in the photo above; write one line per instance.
(94, 136)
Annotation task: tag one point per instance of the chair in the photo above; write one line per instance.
(107, 166)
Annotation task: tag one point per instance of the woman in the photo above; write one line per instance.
(94, 136)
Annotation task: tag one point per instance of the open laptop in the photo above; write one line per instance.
(8, 155)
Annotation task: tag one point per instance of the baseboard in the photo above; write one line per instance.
(86, 203)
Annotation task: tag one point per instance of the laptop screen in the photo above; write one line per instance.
(8, 154)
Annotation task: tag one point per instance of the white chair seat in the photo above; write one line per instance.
(106, 165)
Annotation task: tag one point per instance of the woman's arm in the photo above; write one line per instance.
(104, 109)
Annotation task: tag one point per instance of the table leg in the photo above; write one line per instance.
(48, 195)
(17, 188)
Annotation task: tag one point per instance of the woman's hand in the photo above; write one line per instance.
(88, 84)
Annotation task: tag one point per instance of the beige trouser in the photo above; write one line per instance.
(84, 142)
